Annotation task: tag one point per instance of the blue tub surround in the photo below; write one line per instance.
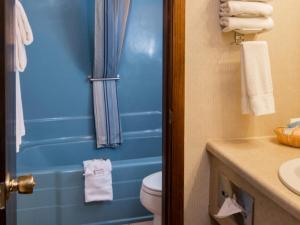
(59, 117)
(110, 26)
(59, 196)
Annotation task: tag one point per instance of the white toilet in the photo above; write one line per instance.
(151, 191)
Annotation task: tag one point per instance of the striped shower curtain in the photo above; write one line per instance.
(110, 26)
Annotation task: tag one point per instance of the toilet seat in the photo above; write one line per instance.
(151, 192)
(152, 184)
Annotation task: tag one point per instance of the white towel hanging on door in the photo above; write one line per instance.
(23, 37)
(20, 126)
(23, 24)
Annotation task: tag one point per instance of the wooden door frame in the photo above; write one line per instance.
(7, 106)
(2, 97)
(173, 127)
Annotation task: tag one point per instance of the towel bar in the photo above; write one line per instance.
(238, 38)
(249, 30)
(103, 79)
(239, 35)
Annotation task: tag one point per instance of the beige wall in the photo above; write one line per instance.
(213, 90)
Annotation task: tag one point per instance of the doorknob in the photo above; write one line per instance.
(23, 184)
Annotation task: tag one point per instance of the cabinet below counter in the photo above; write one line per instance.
(252, 165)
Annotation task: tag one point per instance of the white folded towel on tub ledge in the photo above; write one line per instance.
(245, 9)
(256, 24)
(98, 180)
(256, 80)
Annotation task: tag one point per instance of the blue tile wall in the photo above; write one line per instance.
(58, 110)
(57, 96)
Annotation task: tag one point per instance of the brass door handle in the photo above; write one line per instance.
(23, 184)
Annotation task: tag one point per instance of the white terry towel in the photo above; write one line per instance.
(20, 52)
(256, 81)
(245, 9)
(236, 23)
(98, 180)
(23, 24)
(20, 125)
(248, 0)
(23, 37)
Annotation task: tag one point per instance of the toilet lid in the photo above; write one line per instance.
(153, 182)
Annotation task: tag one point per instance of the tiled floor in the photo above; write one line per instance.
(142, 223)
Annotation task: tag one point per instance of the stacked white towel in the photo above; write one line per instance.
(246, 16)
(245, 9)
(247, 0)
(246, 25)
(23, 37)
(98, 180)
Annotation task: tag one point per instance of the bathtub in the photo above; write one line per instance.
(53, 151)
(58, 198)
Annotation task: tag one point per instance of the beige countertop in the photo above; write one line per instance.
(258, 160)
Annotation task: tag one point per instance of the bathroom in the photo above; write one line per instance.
(187, 140)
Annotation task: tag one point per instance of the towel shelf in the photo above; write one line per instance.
(248, 31)
(238, 38)
(239, 35)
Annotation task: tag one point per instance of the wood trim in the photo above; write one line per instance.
(7, 105)
(2, 101)
(173, 154)
(2, 86)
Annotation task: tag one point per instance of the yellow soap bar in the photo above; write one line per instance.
(288, 137)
